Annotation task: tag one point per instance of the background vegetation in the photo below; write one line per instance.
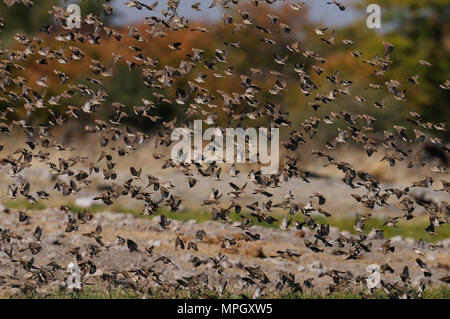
(417, 29)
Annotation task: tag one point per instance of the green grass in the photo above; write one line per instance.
(414, 228)
(23, 204)
(442, 292)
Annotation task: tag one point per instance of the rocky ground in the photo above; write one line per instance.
(147, 232)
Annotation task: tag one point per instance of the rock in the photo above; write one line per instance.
(443, 262)
(278, 262)
(353, 214)
(110, 216)
(445, 243)
(98, 273)
(86, 202)
(410, 241)
(334, 231)
(300, 233)
(59, 284)
(256, 252)
(307, 231)
(345, 233)
(119, 247)
(57, 233)
(187, 257)
(46, 175)
(76, 240)
(53, 255)
(397, 240)
(53, 241)
(301, 268)
(14, 291)
(316, 266)
(54, 238)
(155, 243)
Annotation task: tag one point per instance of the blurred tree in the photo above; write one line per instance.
(20, 18)
(417, 32)
(419, 29)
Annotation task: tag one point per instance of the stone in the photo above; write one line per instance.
(256, 251)
(397, 240)
(345, 233)
(334, 231)
(316, 266)
(155, 243)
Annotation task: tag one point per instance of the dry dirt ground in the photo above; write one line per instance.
(147, 232)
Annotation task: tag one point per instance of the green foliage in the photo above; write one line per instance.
(19, 18)
(419, 30)
(127, 87)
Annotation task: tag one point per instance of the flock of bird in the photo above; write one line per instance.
(73, 174)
